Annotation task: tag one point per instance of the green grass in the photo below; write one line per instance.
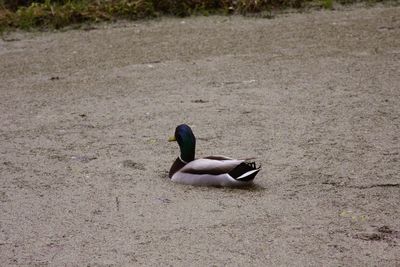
(27, 14)
(328, 4)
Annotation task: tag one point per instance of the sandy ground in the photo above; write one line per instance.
(85, 117)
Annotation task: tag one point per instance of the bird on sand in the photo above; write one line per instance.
(208, 171)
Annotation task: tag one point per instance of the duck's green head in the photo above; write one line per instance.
(186, 141)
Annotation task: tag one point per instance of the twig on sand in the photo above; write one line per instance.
(117, 203)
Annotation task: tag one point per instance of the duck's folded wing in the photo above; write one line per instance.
(218, 157)
(210, 166)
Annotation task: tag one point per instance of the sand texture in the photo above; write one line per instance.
(85, 116)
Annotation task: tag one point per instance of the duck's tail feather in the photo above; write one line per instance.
(245, 171)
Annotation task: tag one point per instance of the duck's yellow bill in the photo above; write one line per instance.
(171, 139)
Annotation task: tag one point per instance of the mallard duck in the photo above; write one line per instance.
(209, 171)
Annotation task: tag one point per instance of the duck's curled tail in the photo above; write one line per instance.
(245, 171)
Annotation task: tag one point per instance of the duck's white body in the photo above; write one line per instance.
(212, 172)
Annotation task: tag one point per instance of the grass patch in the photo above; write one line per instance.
(27, 14)
(328, 4)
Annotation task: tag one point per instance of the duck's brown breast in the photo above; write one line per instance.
(176, 166)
